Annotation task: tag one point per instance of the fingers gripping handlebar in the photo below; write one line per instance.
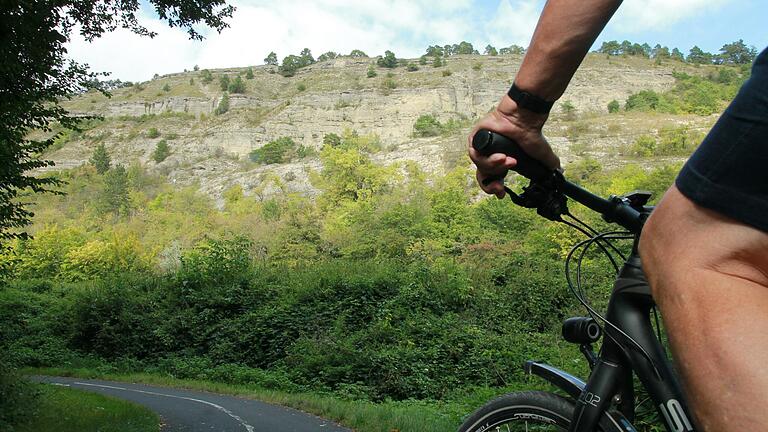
(548, 187)
(487, 143)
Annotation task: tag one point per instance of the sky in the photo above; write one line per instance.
(405, 27)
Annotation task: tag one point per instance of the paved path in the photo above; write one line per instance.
(194, 411)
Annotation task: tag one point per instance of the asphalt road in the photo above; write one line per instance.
(194, 411)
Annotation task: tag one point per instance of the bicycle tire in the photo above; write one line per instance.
(526, 412)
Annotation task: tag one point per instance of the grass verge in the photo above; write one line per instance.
(405, 416)
(63, 409)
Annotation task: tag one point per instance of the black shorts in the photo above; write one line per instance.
(728, 173)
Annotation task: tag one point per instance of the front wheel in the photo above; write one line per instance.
(527, 412)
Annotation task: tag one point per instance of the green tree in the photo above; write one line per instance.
(162, 151)
(438, 62)
(644, 100)
(276, 151)
(388, 61)
(490, 50)
(271, 59)
(660, 52)
(677, 55)
(737, 53)
(223, 105)
(224, 82)
(100, 159)
(464, 47)
(512, 49)
(330, 55)
(435, 51)
(290, 65)
(699, 56)
(207, 76)
(236, 85)
(357, 54)
(306, 57)
(612, 47)
(114, 197)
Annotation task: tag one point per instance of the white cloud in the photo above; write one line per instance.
(642, 15)
(286, 27)
(260, 26)
(513, 23)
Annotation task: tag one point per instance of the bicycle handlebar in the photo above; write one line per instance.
(615, 209)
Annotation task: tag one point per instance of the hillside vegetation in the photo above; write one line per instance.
(321, 232)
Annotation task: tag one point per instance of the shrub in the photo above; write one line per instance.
(447, 73)
(301, 87)
(411, 67)
(332, 140)
(276, 151)
(568, 110)
(371, 72)
(162, 151)
(152, 133)
(224, 82)
(223, 105)
(426, 126)
(477, 66)
(389, 84)
(388, 60)
(613, 106)
(249, 73)
(166, 88)
(236, 86)
(207, 77)
(642, 101)
(644, 145)
(100, 159)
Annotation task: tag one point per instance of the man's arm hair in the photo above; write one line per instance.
(565, 32)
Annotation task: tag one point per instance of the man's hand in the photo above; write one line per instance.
(520, 125)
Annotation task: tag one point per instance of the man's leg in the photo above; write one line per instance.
(709, 276)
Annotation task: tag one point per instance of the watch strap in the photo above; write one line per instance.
(529, 101)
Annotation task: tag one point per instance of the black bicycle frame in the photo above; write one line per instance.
(610, 382)
(632, 348)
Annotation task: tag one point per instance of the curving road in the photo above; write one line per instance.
(194, 411)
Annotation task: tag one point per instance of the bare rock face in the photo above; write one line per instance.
(211, 150)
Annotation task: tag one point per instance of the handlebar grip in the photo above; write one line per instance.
(487, 143)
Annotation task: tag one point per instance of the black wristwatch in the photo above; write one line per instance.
(528, 101)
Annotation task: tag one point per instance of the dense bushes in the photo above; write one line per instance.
(691, 94)
(390, 285)
(428, 125)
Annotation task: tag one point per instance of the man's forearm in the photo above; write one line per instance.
(563, 36)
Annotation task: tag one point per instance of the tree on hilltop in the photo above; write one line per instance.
(330, 55)
(490, 50)
(271, 59)
(388, 61)
(357, 54)
(737, 53)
